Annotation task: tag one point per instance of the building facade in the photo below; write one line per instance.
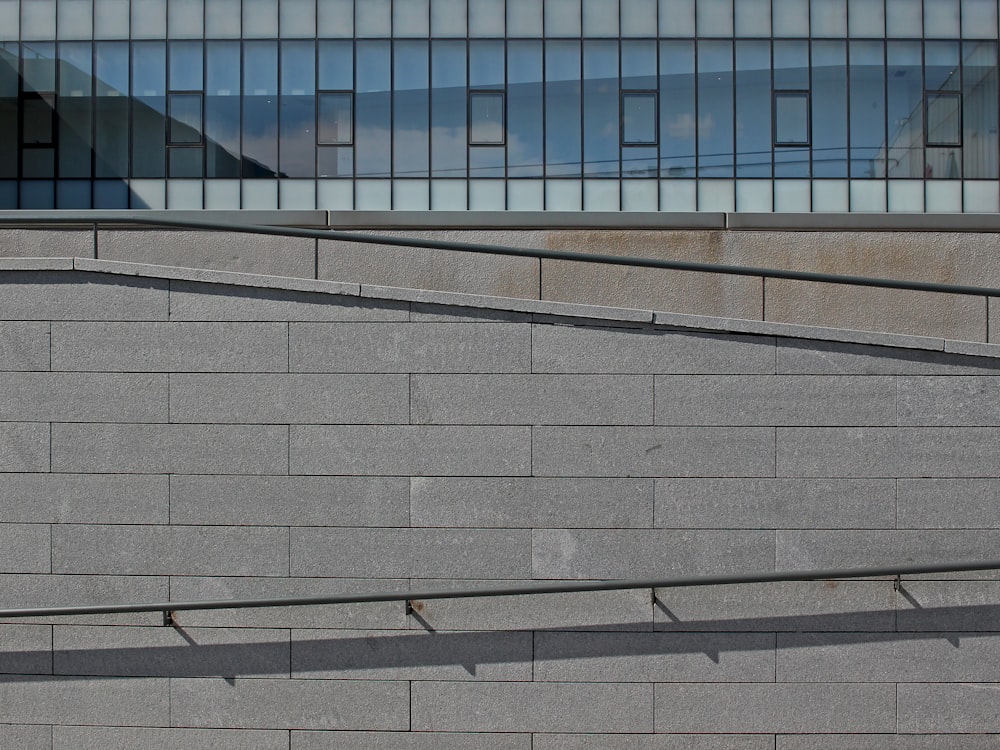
(501, 105)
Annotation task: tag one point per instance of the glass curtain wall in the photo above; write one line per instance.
(605, 105)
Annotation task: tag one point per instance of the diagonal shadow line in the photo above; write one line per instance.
(354, 656)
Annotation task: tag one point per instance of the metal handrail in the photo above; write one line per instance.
(167, 608)
(471, 247)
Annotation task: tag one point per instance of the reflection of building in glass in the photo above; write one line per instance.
(500, 104)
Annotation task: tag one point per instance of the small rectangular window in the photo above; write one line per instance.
(185, 112)
(486, 119)
(791, 118)
(944, 118)
(335, 118)
(639, 118)
(39, 119)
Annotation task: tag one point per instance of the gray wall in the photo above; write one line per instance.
(175, 439)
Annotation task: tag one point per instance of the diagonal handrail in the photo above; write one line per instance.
(564, 587)
(70, 218)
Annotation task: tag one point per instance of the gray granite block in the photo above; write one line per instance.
(26, 736)
(531, 707)
(782, 607)
(886, 742)
(25, 649)
(83, 498)
(423, 312)
(169, 652)
(770, 708)
(775, 503)
(191, 300)
(887, 657)
(24, 446)
(887, 452)
(24, 346)
(653, 742)
(73, 295)
(288, 501)
(409, 741)
(805, 357)
(169, 550)
(653, 451)
(290, 704)
(411, 553)
(532, 399)
(166, 347)
(648, 553)
(409, 347)
(182, 449)
(68, 590)
(945, 708)
(569, 349)
(942, 606)
(775, 400)
(375, 655)
(289, 399)
(134, 701)
(83, 397)
(413, 450)
(124, 738)
(654, 657)
(531, 502)
(25, 548)
(963, 400)
(948, 503)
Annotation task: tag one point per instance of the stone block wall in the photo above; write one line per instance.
(175, 435)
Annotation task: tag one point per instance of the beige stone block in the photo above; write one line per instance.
(220, 251)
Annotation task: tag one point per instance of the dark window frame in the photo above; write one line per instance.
(499, 93)
(320, 94)
(48, 98)
(171, 143)
(928, 97)
(654, 93)
(777, 94)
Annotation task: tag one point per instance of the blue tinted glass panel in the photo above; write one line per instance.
(486, 64)
(979, 83)
(868, 113)
(638, 118)
(336, 66)
(298, 109)
(562, 108)
(524, 105)
(335, 118)
(904, 110)
(677, 109)
(448, 102)
(111, 110)
(185, 118)
(829, 109)
(373, 111)
(753, 116)
(298, 67)
(638, 64)
(791, 118)
(222, 109)
(600, 108)
(185, 66)
(486, 117)
(715, 109)
(149, 109)
(75, 111)
(411, 109)
(260, 110)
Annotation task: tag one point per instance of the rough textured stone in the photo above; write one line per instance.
(25, 548)
(25, 649)
(70, 590)
(83, 397)
(26, 737)
(70, 295)
(32, 242)
(948, 606)
(126, 738)
(83, 498)
(79, 700)
(24, 346)
(806, 357)
(24, 446)
(653, 742)
(938, 401)
(948, 503)
(886, 742)
(942, 708)
(409, 741)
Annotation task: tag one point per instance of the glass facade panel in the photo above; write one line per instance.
(149, 109)
(75, 21)
(678, 121)
(639, 118)
(525, 124)
(186, 19)
(297, 18)
(411, 109)
(753, 122)
(373, 110)
(562, 18)
(866, 18)
(222, 110)
(715, 109)
(638, 17)
(829, 109)
(868, 109)
(486, 18)
(563, 108)
(412, 18)
(600, 108)
(222, 19)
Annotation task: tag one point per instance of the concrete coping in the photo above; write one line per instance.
(607, 315)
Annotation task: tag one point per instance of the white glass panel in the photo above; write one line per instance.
(222, 193)
(10, 24)
(149, 19)
(149, 194)
(941, 18)
(448, 17)
(562, 17)
(943, 196)
(830, 196)
(486, 18)
(794, 196)
(410, 195)
(335, 195)
(185, 19)
(524, 18)
(868, 196)
(260, 194)
(715, 17)
(677, 18)
(38, 19)
(754, 196)
(600, 17)
(260, 18)
(678, 195)
(790, 17)
(716, 195)
(222, 19)
(372, 18)
(297, 18)
(184, 194)
(982, 197)
(601, 195)
(487, 195)
(449, 195)
(906, 196)
(297, 194)
(411, 18)
(638, 17)
(979, 19)
(639, 195)
(373, 195)
(753, 17)
(829, 18)
(111, 19)
(866, 18)
(525, 195)
(76, 19)
(563, 195)
(336, 18)
(903, 18)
